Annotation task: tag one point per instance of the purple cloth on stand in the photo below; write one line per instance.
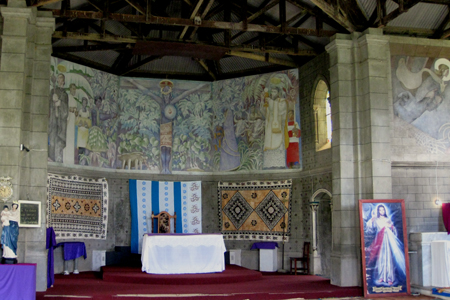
(446, 216)
(51, 244)
(73, 250)
(264, 245)
(18, 281)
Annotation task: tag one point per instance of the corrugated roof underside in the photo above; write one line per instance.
(171, 64)
(422, 15)
(236, 64)
(106, 58)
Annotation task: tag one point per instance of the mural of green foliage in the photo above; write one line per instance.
(192, 133)
(207, 120)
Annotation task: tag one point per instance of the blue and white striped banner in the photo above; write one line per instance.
(184, 198)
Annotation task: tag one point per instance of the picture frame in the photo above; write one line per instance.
(29, 213)
(384, 247)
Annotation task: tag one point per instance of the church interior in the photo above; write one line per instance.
(284, 128)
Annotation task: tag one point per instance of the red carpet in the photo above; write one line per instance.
(234, 283)
(231, 274)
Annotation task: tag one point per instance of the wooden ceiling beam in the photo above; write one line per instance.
(96, 5)
(44, 2)
(317, 13)
(275, 50)
(397, 12)
(95, 37)
(193, 14)
(214, 11)
(102, 47)
(409, 31)
(204, 66)
(203, 15)
(335, 14)
(139, 64)
(122, 60)
(265, 58)
(137, 6)
(440, 31)
(82, 61)
(262, 10)
(187, 22)
(132, 40)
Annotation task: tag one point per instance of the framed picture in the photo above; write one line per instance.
(29, 213)
(384, 247)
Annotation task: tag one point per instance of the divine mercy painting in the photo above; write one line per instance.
(384, 247)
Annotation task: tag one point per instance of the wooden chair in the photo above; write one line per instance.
(304, 260)
(162, 221)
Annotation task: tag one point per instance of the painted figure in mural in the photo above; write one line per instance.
(229, 155)
(97, 141)
(256, 125)
(57, 125)
(429, 93)
(97, 115)
(69, 151)
(274, 109)
(386, 249)
(168, 113)
(10, 231)
(292, 152)
(83, 123)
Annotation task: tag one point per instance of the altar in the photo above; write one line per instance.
(183, 253)
(18, 281)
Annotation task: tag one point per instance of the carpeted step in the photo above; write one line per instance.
(232, 274)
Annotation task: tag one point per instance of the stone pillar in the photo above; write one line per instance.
(359, 68)
(24, 92)
(38, 137)
(315, 259)
(16, 18)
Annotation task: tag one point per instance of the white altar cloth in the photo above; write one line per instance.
(440, 263)
(183, 253)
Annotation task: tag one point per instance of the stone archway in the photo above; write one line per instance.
(321, 206)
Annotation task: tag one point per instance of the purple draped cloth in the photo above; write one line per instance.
(51, 244)
(18, 281)
(73, 250)
(446, 216)
(264, 245)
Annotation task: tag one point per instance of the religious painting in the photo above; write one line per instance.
(83, 122)
(257, 122)
(255, 210)
(421, 103)
(163, 126)
(384, 247)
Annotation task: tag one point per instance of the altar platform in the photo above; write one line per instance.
(235, 283)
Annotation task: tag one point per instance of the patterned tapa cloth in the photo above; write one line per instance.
(255, 210)
(77, 206)
(184, 198)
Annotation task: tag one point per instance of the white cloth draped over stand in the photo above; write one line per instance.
(183, 253)
(440, 263)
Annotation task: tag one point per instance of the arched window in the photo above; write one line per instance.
(322, 116)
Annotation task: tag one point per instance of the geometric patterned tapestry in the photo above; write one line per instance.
(77, 207)
(255, 210)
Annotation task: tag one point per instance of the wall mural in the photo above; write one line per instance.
(422, 100)
(163, 126)
(257, 122)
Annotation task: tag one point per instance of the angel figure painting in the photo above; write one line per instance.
(421, 101)
(384, 247)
